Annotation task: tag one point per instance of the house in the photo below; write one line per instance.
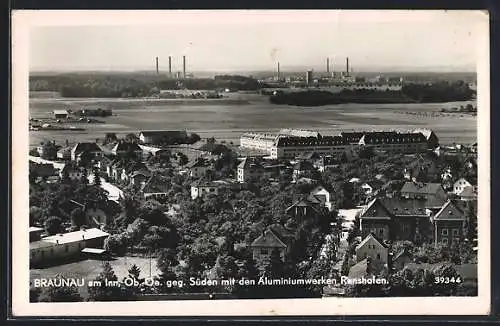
(304, 209)
(127, 149)
(468, 194)
(302, 167)
(396, 219)
(203, 189)
(374, 248)
(35, 233)
(129, 169)
(65, 245)
(325, 163)
(449, 224)
(64, 153)
(91, 149)
(263, 246)
(154, 188)
(73, 172)
(322, 195)
(367, 268)
(197, 168)
(432, 192)
(460, 185)
(60, 114)
(157, 137)
(42, 170)
(138, 178)
(401, 259)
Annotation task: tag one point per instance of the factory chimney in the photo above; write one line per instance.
(157, 68)
(278, 71)
(327, 65)
(347, 66)
(170, 66)
(184, 66)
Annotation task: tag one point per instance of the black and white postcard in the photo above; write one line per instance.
(196, 163)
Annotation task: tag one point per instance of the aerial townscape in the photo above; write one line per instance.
(176, 184)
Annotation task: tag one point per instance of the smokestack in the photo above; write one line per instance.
(184, 66)
(157, 68)
(347, 66)
(170, 65)
(327, 65)
(278, 71)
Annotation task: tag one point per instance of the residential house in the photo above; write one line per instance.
(433, 193)
(449, 224)
(374, 248)
(73, 172)
(158, 137)
(396, 219)
(154, 188)
(321, 194)
(129, 169)
(203, 189)
(138, 178)
(468, 194)
(368, 268)
(301, 168)
(42, 170)
(197, 168)
(127, 149)
(304, 209)
(64, 153)
(91, 149)
(460, 185)
(325, 163)
(400, 259)
(66, 245)
(263, 246)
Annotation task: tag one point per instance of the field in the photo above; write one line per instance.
(228, 121)
(89, 269)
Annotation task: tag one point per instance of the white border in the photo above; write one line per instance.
(21, 23)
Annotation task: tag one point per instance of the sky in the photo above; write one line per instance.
(256, 40)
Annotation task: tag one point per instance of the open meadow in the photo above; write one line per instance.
(226, 121)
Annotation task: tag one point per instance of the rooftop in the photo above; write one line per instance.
(76, 236)
(268, 239)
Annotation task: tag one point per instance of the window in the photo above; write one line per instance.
(444, 232)
(264, 251)
(444, 241)
(378, 256)
(455, 232)
(381, 232)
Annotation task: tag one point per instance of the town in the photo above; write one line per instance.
(391, 205)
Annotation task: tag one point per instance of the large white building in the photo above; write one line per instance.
(290, 143)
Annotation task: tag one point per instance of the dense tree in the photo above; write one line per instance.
(105, 291)
(53, 225)
(78, 217)
(49, 150)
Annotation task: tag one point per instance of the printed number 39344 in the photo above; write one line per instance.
(447, 280)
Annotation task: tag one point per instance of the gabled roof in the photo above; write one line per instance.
(154, 186)
(375, 210)
(268, 239)
(126, 147)
(405, 207)
(449, 211)
(368, 238)
(302, 203)
(468, 191)
(86, 147)
(421, 188)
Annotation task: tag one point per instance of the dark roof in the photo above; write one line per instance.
(310, 141)
(468, 192)
(401, 253)
(86, 147)
(268, 239)
(352, 137)
(376, 210)
(421, 188)
(160, 133)
(126, 147)
(196, 163)
(372, 236)
(450, 211)
(405, 207)
(303, 166)
(154, 186)
(389, 137)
